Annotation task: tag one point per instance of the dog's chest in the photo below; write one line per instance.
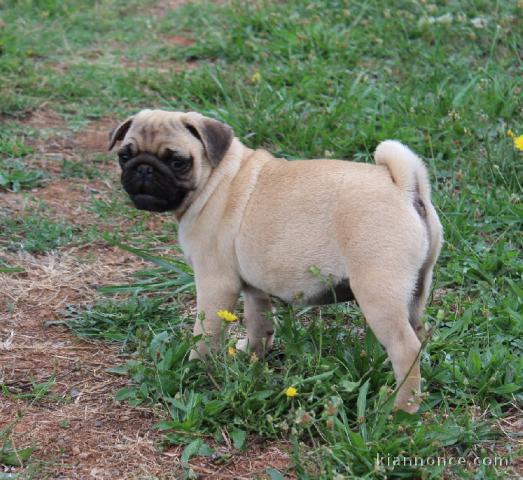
(185, 246)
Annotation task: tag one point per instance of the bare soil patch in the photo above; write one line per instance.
(69, 198)
(44, 117)
(51, 281)
(95, 136)
(162, 8)
(62, 200)
(180, 40)
(79, 419)
(164, 66)
(57, 195)
(56, 143)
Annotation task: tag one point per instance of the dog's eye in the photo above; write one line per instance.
(179, 162)
(124, 156)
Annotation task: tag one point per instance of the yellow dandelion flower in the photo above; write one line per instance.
(518, 142)
(291, 392)
(255, 79)
(226, 315)
(231, 352)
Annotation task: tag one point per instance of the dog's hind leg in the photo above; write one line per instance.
(421, 290)
(385, 306)
(260, 328)
(410, 175)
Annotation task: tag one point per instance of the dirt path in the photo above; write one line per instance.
(77, 428)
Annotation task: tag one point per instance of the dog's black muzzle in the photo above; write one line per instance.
(150, 183)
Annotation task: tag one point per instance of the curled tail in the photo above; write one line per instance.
(409, 173)
(406, 168)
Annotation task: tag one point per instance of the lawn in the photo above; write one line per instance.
(97, 302)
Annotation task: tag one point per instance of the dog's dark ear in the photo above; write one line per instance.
(118, 133)
(216, 137)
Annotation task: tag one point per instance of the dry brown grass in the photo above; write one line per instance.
(78, 428)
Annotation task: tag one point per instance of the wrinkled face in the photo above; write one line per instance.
(165, 156)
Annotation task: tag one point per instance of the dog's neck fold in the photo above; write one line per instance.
(228, 189)
(225, 171)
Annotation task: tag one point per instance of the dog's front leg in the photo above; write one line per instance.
(260, 329)
(213, 293)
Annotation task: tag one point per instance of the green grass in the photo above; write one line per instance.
(79, 169)
(35, 233)
(14, 175)
(305, 79)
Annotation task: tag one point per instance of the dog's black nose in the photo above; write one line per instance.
(144, 170)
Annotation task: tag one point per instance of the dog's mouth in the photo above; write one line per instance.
(154, 196)
(144, 201)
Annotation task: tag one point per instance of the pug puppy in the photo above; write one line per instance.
(254, 224)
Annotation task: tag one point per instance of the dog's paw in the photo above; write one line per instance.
(200, 352)
(410, 404)
(194, 355)
(242, 344)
